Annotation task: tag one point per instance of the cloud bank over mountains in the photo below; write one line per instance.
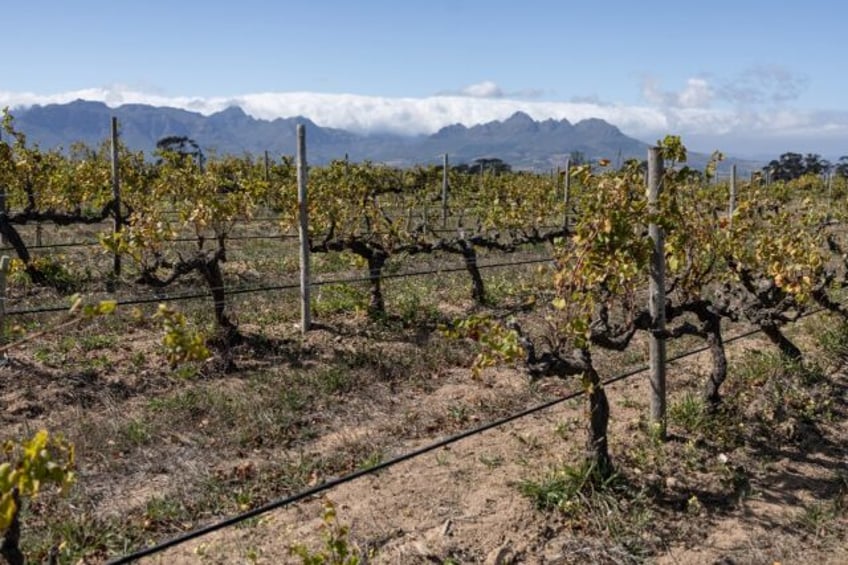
(750, 113)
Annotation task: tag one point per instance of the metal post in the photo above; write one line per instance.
(656, 300)
(305, 313)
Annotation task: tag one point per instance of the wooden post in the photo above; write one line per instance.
(732, 205)
(445, 191)
(829, 194)
(4, 270)
(2, 199)
(566, 196)
(267, 167)
(656, 297)
(116, 196)
(305, 312)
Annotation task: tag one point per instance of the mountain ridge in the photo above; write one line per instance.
(519, 140)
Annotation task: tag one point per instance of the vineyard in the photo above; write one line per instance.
(596, 364)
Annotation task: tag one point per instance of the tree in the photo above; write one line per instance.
(183, 146)
(791, 166)
(484, 164)
(841, 168)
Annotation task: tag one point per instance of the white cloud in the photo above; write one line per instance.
(696, 94)
(689, 112)
(485, 89)
(367, 113)
(764, 85)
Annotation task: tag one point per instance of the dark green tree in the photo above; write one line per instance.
(794, 165)
(841, 168)
(484, 165)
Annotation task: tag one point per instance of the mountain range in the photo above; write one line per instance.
(519, 140)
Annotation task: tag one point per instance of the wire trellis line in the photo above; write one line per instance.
(271, 288)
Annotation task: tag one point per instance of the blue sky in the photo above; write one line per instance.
(750, 78)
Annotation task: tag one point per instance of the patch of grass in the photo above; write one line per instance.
(771, 390)
(492, 462)
(334, 380)
(94, 342)
(832, 338)
(412, 309)
(136, 432)
(371, 460)
(259, 414)
(594, 505)
(339, 298)
(568, 429)
(459, 413)
(47, 355)
(688, 412)
(80, 536)
(827, 518)
(162, 512)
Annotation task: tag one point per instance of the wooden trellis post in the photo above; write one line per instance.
(4, 270)
(656, 297)
(445, 191)
(566, 191)
(303, 216)
(732, 205)
(116, 196)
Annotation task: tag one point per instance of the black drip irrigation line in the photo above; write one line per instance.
(338, 481)
(332, 483)
(289, 286)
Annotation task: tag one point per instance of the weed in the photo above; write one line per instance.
(827, 518)
(565, 488)
(832, 337)
(339, 298)
(492, 462)
(160, 512)
(97, 341)
(567, 429)
(411, 309)
(459, 413)
(688, 412)
(594, 504)
(334, 379)
(337, 548)
(372, 460)
(136, 432)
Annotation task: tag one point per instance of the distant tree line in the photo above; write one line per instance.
(487, 165)
(794, 165)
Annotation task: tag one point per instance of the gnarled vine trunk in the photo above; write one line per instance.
(718, 372)
(597, 444)
(10, 548)
(377, 304)
(469, 256)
